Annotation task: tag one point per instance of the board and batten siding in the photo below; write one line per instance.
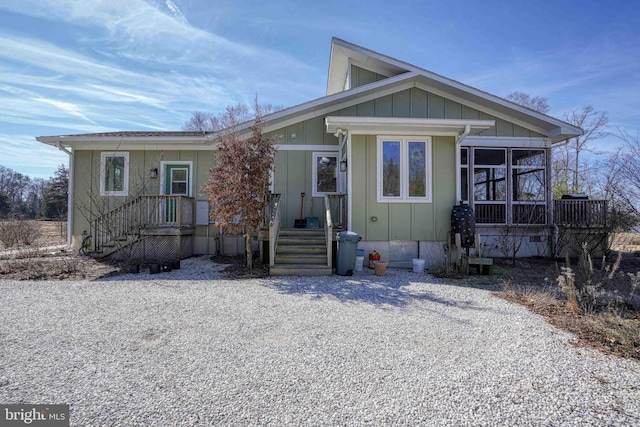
(420, 221)
(87, 184)
(294, 169)
(401, 221)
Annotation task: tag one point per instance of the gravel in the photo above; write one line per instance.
(191, 348)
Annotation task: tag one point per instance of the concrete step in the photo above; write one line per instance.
(300, 270)
(302, 259)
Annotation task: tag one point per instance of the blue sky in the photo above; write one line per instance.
(71, 66)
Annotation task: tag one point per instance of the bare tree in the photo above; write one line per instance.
(593, 123)
(537, 103)
(623, 183)
(237, 182)
(201, 121)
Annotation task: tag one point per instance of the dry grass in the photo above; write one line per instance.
(614, 328)
(607, 332)
(625, 242)
(36, 261)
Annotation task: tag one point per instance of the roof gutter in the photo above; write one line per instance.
(69, 193)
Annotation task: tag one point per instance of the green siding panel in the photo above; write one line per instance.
(504, 128)
(360, 76)
(436, 107)
(367, 109)
(419, 107)
(453, 110)
(469, 113)
(399, 221)
(384, 106)
(402, 103)
(360, 183)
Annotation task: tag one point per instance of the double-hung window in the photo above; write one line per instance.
(404, 169)
(114, 174)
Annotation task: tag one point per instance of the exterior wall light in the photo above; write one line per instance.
(153, 173)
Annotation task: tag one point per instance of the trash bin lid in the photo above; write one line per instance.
(348, 236)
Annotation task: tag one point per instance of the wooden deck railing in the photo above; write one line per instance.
(142, 212)
(580, 213)
(328, 229)
(274, 226)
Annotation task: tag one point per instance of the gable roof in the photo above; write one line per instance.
(344, 54)
(400, 76)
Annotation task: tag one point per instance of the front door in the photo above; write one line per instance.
(177, 182)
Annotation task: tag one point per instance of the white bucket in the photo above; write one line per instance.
(359, 263)
(418, 265)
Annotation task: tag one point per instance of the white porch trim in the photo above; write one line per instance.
(406, 126)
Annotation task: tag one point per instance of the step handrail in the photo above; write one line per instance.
(274, 227)
(143, 211)
(328, 230)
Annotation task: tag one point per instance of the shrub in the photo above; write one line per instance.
(586, 287)
(8, 236)
(14, 232)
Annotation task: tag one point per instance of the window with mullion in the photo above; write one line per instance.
(403, 170)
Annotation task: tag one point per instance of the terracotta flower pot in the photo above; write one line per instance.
(380, 268)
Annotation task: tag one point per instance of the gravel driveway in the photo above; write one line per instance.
(401, 349)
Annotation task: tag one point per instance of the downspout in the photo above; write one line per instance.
(69, 194)
(343, 137)
(459, 139)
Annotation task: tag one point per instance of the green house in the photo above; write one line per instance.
(386, 153)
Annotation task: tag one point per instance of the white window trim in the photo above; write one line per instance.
(404, 169)
(314, 178)
(163, 174)
(103, 163)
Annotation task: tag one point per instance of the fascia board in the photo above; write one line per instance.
(73, 141)
(148, 146)
(405, 126)
(506, 142)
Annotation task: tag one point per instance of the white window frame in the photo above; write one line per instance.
(404, 169)
(315, 155)
(103, 173)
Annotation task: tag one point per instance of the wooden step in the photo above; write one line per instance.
(302, 232)
(302, 259)
(301, 249)
(314, 241)
(300, 270)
